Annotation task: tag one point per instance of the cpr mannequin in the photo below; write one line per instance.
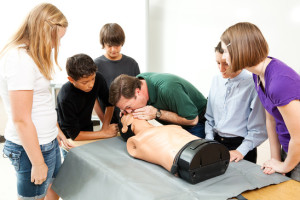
(163, 145)
(155, 144)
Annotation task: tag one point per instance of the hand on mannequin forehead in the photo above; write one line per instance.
(155, 144)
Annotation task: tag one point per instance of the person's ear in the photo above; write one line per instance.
(137, 91)
(71, 79)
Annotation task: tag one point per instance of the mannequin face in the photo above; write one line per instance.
(126, 120)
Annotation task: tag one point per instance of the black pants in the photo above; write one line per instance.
(233, 143)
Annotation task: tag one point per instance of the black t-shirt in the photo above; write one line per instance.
(74, 106)
(110, 69)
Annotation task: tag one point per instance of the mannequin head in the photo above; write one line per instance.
(130, 126)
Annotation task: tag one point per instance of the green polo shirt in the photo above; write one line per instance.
(172, 93)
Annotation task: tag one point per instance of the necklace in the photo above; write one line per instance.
(258, 81)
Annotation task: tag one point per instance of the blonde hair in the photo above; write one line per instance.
(246, 45)
(39, 34)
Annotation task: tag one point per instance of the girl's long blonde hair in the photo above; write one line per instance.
(39, 34)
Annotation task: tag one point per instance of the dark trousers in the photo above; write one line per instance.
(233, 143)
(198, 130)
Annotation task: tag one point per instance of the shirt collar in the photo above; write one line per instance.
(151, 89)
(238, 78)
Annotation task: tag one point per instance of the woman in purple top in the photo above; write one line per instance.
(278, 88)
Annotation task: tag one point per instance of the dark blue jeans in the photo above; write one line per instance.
(197, 130)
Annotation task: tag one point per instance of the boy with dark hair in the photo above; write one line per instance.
(78, 97)
(113, 63)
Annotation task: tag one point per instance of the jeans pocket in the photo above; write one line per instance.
(14, 157)
(47, 147)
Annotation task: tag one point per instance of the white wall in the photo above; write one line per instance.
(85, 21)
(183, 33)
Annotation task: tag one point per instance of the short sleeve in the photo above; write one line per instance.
(179, 102)
(19, 70)
(137, 69)
(103, 90)
(68, 119)
(283, 90)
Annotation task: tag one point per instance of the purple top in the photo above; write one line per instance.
(282, 85)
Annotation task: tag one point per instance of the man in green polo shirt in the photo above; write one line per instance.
(164, 97)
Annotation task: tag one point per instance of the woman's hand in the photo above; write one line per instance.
(63, 141)
(272, 166)
(39, 173)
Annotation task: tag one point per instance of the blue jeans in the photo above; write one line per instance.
(19, 159)
(197, 130)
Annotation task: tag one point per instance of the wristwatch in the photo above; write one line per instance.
(158, 114)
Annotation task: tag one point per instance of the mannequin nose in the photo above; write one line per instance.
(128, 110)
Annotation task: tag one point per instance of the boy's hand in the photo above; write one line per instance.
(111, 130)
(63, 141)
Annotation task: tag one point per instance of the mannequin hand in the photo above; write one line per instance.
(63, 141)
(39, 173)
(272, 166)
(235, 155)
(146, 112)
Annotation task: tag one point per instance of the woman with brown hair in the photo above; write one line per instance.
(278, 87)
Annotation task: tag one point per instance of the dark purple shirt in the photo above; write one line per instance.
(282, 85)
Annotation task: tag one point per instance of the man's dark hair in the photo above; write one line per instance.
(80, 66)
(112, 34)
(219, 49)
(125, 86)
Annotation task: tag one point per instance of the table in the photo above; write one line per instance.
(289, 190)
(104, 170)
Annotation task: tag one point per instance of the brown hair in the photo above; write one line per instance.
(39, 33)
(246, 45)
(125, 86)
(219, 49)
(80, 66)
(112, 34)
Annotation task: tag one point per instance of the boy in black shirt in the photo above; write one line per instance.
(78, 97)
